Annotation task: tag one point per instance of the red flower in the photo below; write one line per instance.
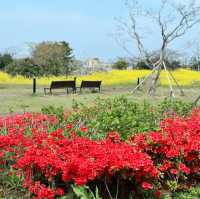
(84, 129)
(1, 154)
(167, 165)
(146, 186)
(184, 169)
(69, 126)
(174, 171)
(158, 193)
(59, 192)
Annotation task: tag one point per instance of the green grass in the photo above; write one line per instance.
(19, 98)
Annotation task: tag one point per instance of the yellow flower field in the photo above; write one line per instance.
(185, 77)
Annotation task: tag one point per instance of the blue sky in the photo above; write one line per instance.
(87, 25)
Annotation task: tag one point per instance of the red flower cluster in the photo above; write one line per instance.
(176, 147)
(43, 157)
(27, 120)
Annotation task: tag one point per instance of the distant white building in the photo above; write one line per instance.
(95, 64)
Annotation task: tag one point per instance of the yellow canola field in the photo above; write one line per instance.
(185, 77)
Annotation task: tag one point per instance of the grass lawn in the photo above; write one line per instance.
(19, 98)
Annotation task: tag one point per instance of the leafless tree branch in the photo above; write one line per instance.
(185, 17)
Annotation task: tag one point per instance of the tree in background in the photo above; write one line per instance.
(54, 58)
(68, 58)
(24, 67)
(195, 63)
(47, 58)
(5, 59)
(195, 59)
(172, 60)
(120, 64)
(141, 65)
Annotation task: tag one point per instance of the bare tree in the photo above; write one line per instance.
(172, 20)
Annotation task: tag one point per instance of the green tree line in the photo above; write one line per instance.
(47, 58)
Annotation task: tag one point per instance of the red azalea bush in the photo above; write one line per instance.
(27, 120)
(175, 149)
(81, 160)
(51, 161)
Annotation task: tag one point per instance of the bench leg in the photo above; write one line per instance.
(45, 90)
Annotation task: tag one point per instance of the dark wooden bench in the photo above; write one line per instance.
(90, 84)
(69, 84)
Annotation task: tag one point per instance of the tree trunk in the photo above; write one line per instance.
(154, 80)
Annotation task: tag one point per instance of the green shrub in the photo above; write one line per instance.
(52, 110)
(193, 193)
(119, 114)
(124, 116)
(172, 106)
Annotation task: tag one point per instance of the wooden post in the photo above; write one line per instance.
(34, 85)
(75, 85)
(138, 81)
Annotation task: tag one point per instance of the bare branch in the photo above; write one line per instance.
(190, 16)
(173, 20)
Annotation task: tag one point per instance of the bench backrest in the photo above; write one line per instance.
(90, 84)
(63, 84)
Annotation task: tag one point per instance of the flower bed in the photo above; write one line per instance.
(144, 166)
(185, 77)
